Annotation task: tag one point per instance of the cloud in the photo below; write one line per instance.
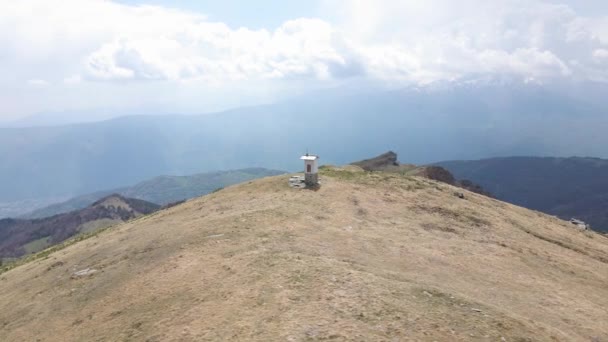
(446, 40)
(405, 40)
(301, 48)
(38, 83)
(600, 54)
(74, 79)
(79, 42)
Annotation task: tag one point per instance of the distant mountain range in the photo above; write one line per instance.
(20, 207)
(161, 190)
(422, 125)
(20, 236)
(565, 187)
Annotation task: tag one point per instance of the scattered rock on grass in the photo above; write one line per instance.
(84, 273)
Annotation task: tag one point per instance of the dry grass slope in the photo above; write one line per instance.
(369, 256)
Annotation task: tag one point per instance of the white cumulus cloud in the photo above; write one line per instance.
(301, 48)
(410, 40)
(77, 42)
(37, 83)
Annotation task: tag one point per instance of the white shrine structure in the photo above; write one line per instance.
(311, 169)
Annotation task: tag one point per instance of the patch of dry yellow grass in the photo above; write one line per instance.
(368, 256)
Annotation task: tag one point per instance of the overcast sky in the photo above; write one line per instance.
(199, 56)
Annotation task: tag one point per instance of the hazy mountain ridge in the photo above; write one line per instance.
(21, 236)
(368, 256)
(422, 126)
(566, 187)
(162, 190)
(18, 208)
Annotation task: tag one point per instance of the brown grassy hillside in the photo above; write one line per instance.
(367, 257)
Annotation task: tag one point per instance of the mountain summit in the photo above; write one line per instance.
(367, 256)
(387, 162)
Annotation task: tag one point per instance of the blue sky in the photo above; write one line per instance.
(96, 56)
(264, 13)
(253, 14)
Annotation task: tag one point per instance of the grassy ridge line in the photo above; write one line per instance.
(44, 254)
(77, 238)
(367, 256)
